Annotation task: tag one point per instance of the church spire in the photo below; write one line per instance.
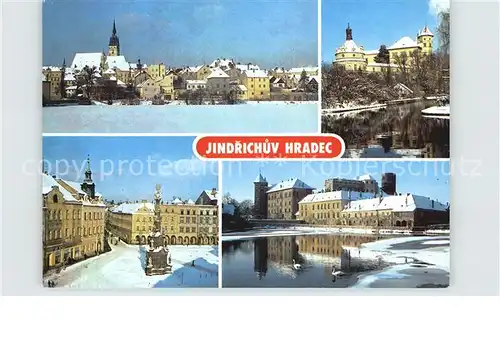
(348, 32)
(88, 185)
(88, 171)
(114, 27)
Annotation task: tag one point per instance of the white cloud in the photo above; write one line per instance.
(437, 6)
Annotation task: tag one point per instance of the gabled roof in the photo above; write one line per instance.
(256, 73)
(48, 182)
(397, 203)
(76, 186)
(247, 67)
(211, 196)
(425, 31)
(404, 42)
(336, 195)
(217, 73)
(177, 201)
(293, 183)
(86, 59)
(118, 62)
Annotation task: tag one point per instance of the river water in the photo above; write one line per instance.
(409, 130)
(269, 262)
(246, 118)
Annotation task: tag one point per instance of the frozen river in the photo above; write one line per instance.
(246, 118)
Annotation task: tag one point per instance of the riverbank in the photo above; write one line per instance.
(358, 108)
(308, 230)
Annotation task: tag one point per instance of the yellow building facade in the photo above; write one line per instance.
(182, 223)
(354, 57)
(73, 223)
(257, 84)
(53, 76)
(157, 71)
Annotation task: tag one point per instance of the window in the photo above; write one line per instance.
(55, 199)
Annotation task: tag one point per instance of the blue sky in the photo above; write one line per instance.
(185, 32)
(375, 22)
(128, 168)
(421, 178)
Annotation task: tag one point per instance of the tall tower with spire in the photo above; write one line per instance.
(260, 196)
(424, 39)
(88, 185)
(114, 43)
(348, 32)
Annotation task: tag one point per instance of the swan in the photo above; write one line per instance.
(296, 265)
(336, 273)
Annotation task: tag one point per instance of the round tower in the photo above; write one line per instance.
(389, 183)
(350, 55)
(424, 39)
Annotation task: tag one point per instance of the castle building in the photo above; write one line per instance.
(283, 198)
(354, 57)
(364, 183)
(114, 43)
(73, 217)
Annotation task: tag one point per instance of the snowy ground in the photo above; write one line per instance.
(416, 261)
(244, 118)
(377, 151)
(437, 112)
(123, 267)
(303, 230)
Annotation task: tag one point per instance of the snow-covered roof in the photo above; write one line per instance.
(293, 183)
(133, 208)
(211, 196)
(371, 52)
(256, 74)
(196, 81)
(113, 78)
(51, 68)
(365, 177)
(48, 182)
(177, 201)
(299, 70)
(221, 63)
(217, 73)
(398, 203)
(313, 78)
(244, 68)
(242, 87)
(109, 71)
(118, 62)
(260, 179)
(69, 77)
(350, 46)
(190, 202)
(134, 65)
(77, 187)
(86, 59)
(335, 195)
(425, 31)
(404, 42)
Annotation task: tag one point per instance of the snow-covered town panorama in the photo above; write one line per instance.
(140, 56)
(357, 225)
(109, 226)
(385, 91)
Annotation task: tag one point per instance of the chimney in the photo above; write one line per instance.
(432, 202)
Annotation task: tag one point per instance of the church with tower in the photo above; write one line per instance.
(354, 57)
(114, 43)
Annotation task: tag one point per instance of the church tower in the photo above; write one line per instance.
(114, 43)
(260, 196)
(424, 39)
(88, 184)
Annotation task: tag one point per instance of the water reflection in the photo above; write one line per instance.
(402, 124)
(306, 260)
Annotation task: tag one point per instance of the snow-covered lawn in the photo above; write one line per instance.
(123, 267)
(377, 151)
(434, 253)
(241, 118)
(437, 112)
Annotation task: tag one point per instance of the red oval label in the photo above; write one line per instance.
(323, 146)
